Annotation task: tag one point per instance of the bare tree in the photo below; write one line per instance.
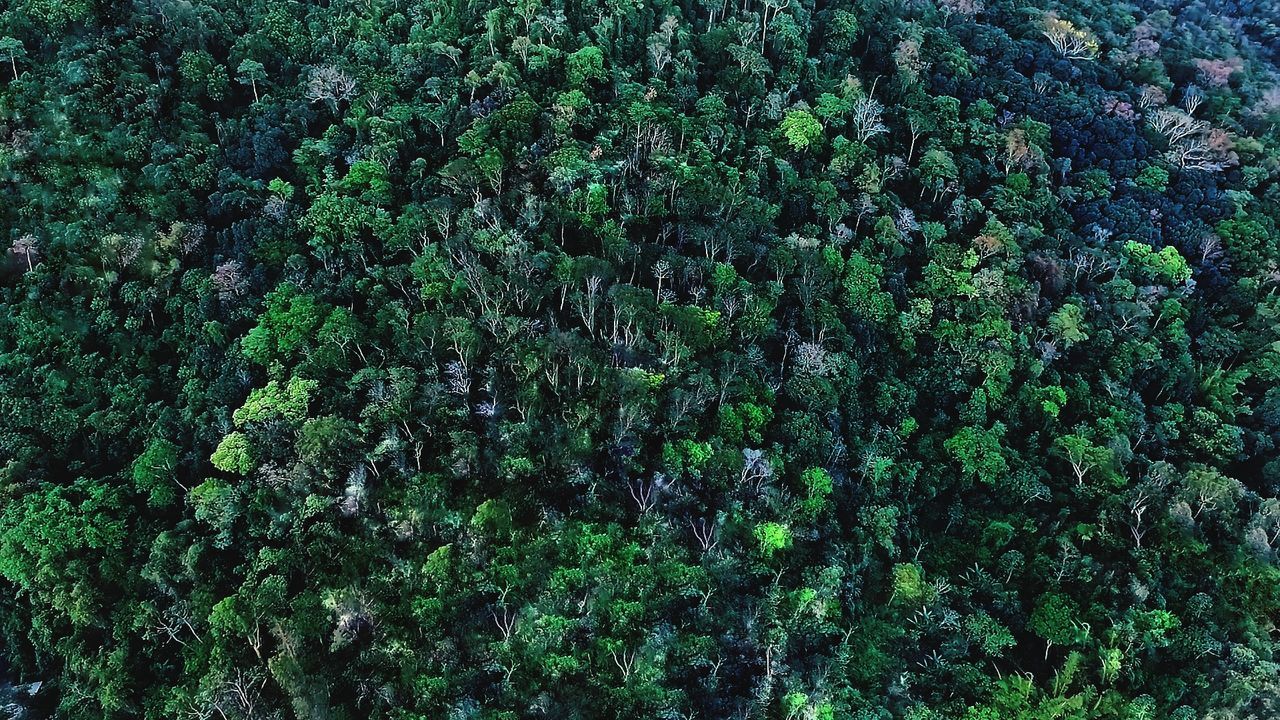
(704, 532)
(661, 271)
(228, 279)
(1210, 248)
(122, 250)
(1197, 153)
(329, 84)
(1175, 125)
(1070, 41)
(811, 359)
(867, 118)
(777, 6)
(625, 660)
(756, 469)
(506, 622)
(174, 623)
(1192, 97)
(590, 302)
(645, 492)
(241, 692)
(962, 8)
(1150, 97)
(1138, 505)
(1193, 144)
(457, 381)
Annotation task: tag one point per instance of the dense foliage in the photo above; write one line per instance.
(608, 359)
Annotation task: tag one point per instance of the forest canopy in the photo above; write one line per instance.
(769, 359)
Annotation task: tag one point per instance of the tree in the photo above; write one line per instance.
(908, 584)
(250, 72)
(585, 65)
(937, 171)
(801, 129)
(28, 247)
(326, 442)
(1083, 455)
(154, 472)
(218, 504)
(12, 49)
(1072, 42)
(772, 537)
(326, 83)
(866, 118)
(979, 453)
(234, 454)
(1056, 619)
(273, 401)
(1167, 265)
(289, 322)
(1068, 325)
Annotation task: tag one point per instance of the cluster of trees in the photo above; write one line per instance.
(765, 359)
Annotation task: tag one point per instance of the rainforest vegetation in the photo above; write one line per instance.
(574, 359)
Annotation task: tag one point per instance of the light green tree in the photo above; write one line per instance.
(801, 129)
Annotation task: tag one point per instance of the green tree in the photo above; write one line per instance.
(586, 64)
(250, 72)
(11, 48)
(1056, 619)
(154, 472)
(1068, 324)
(801, 129)
(234, 454)
(1084, 457)
(772, 537)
